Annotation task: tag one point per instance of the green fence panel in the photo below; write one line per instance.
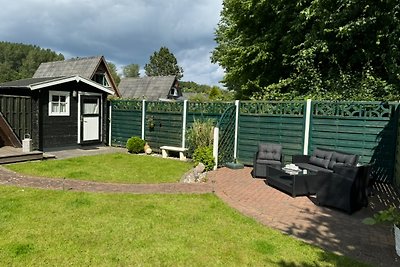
(163, 124)
(205, 110)
(270, 122)
(367, 129)
(126, 120)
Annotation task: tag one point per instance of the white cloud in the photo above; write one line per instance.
(124, 31)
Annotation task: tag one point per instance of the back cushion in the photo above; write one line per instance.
(342, 159)
(269, 151)
(321, 158)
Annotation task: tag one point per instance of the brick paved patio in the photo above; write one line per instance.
(300, 217)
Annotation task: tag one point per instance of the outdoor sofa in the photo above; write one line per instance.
(324, 161)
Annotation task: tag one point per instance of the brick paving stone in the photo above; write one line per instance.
(327, 228)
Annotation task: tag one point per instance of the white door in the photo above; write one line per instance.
(90, 118)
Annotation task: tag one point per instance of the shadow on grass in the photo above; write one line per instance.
(345, 234)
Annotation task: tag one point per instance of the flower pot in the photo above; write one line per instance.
(397, 239)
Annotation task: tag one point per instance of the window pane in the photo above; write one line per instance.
(55, 98)
(91, 108)
(63, 107)
(54, 107)
(58, 103)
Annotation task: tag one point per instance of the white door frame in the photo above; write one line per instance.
(80, 94)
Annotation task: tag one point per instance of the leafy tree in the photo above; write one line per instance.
(324, 49)
(131, 70)
(113, 72)
(19, 61)
(205, 92)
(194, 87)
(163, 63)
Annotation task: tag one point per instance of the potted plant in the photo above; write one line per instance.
(392, 216)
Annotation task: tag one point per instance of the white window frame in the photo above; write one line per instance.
(67, 103)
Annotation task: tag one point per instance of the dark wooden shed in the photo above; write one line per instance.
(57, 109)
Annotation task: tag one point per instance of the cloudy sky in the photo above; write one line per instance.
(124, 31)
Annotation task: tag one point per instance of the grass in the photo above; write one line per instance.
(115, 168)
(59, 228)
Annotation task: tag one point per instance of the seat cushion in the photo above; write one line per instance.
(269, 151)
(268, 162)
(342, 159)
(321, 158)
(311, 167)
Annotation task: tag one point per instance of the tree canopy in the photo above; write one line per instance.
(323, 49)
(203, 92)
(131, 70)
(113, 72)
(163, 63)
(19, 61)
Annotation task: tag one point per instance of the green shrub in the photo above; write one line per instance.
(204, 155)
(200, 134)
(135, 145)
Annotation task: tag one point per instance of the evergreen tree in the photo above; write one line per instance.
(20, 61)
(163, 63)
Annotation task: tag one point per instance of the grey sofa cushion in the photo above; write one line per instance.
(269, 162)
(342, 159)
(312, 167)
(269, 151)
(321, 158)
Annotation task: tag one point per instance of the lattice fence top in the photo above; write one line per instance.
(289, 108)
(133, 105)
(156, 106)
(354, 109)
(208, 107)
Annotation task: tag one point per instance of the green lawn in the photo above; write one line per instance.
(115, 168)
(60, 228)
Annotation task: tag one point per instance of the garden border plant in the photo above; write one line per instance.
(135, 145)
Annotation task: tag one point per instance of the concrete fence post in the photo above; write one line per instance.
(184, 123)
(237, 104)
(109, 123)
(215, 146)
(143, 117)
(307, 127)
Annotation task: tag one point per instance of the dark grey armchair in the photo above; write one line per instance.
(267, 154)
(345, 188)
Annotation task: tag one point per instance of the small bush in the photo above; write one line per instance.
(204, 155)
(200, 134)
(135, 145)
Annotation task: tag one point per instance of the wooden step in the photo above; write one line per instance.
(10, 154)
(35, 155)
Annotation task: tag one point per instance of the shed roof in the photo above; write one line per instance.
(149, 88)
(38, 83)
(84, 67)
(24, 83)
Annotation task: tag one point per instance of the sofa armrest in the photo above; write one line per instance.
(346, 170)
(255, 158)
(300, 158)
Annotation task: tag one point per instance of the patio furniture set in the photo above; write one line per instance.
(334, 177)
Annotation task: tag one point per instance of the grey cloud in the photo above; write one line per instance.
(124, 31)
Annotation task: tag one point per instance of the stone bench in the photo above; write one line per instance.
(181, 150)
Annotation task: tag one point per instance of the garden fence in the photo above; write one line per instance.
(368, 129)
